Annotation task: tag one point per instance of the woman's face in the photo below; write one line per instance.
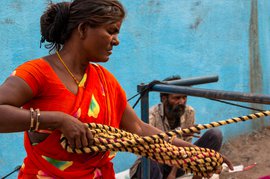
(99, 41)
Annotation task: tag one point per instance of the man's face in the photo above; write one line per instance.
(175, 104)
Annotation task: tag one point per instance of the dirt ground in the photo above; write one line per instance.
(247, 150)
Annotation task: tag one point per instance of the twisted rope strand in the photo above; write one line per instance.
(196, 160)
(196, 129)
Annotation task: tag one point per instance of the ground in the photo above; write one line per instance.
(246, 150)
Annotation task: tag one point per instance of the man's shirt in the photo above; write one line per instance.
(157, 119)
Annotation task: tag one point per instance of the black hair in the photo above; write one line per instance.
(170, 78)
(60, 19)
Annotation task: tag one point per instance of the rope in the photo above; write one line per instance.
(145, 90)
(17, 168)
(199, 127)
(234, 104)
(199, 161)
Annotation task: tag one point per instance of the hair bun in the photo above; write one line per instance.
(54, 21)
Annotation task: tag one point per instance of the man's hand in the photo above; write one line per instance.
(228, 162)
(219, 169)
(172, 174)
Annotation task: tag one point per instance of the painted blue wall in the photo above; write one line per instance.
(159, 38)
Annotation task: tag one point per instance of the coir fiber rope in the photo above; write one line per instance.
(199, 161)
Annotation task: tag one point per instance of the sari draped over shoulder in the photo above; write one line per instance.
(99, 99)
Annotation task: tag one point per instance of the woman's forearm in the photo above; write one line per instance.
(147, 130)
(14, 119)
(131, 123)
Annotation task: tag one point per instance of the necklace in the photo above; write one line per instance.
(68, 70)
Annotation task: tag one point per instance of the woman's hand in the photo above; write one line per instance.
(76, 132)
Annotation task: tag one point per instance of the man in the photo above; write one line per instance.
(170, 114)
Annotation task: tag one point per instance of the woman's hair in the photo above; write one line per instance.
(60, 19)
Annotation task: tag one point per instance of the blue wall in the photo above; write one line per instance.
(160, 38)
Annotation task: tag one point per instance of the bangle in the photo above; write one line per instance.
(37, 118)
(32, 119)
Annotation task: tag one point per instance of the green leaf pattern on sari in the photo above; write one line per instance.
(61, 165)
(94, 108)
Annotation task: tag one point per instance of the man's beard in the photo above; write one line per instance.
(174, 112)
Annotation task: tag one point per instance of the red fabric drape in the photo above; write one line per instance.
(99, 99)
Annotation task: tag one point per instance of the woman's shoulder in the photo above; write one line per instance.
(105, 72)
(34, 69)
(35, 62)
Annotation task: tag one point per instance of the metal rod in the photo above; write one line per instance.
(193, 81)
(214, 94)
(145, 163)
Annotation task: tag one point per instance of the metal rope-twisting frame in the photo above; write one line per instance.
(199, 161)
(182, 86)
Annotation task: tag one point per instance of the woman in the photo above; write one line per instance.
(62, 91)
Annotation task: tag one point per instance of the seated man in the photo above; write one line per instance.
(173, 113)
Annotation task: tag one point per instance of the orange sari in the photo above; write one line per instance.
(100, 99)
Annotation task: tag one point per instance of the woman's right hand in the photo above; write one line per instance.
(76, 132)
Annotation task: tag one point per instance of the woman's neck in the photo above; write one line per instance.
(75, 61)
